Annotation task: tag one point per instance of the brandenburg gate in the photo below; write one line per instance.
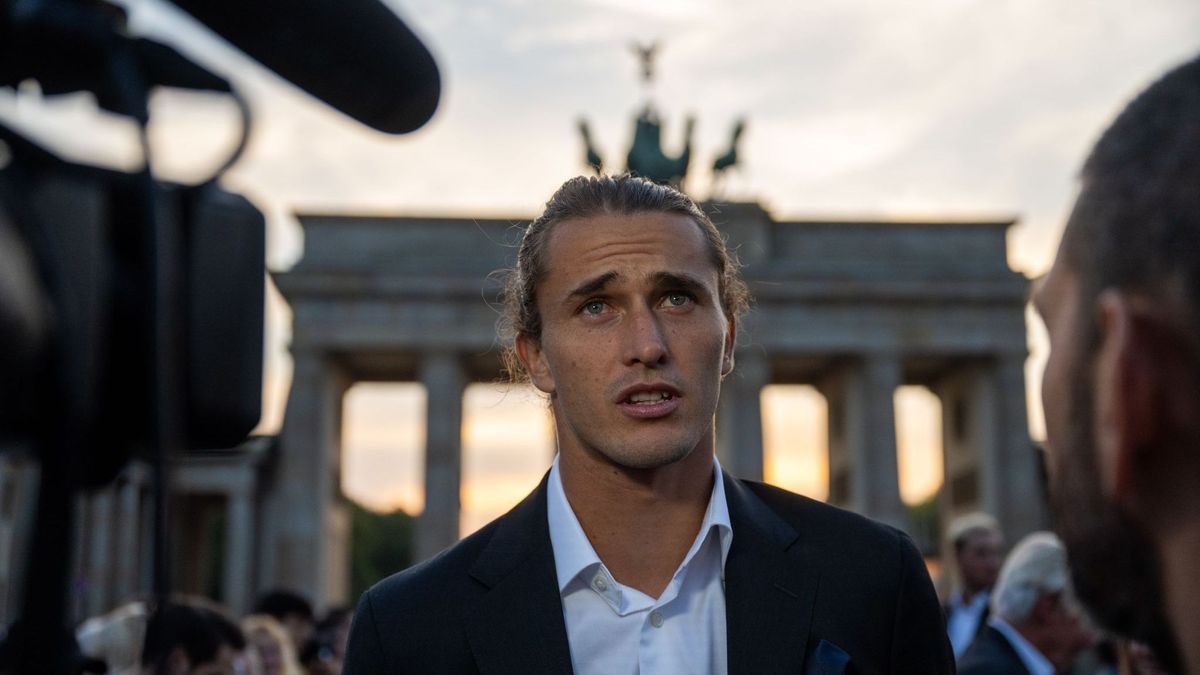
(854, 308)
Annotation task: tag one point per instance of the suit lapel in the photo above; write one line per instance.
(517, 625)
(769, 594)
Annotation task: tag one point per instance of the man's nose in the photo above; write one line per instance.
(645, 339)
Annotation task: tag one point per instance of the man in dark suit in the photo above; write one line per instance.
(636, 554)
(1036, 627)
(978, 547)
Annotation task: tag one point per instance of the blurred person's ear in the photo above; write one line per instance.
(1128, 391)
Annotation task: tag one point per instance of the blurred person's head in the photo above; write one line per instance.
(978, 551)
(183, 639)
(116, 638)
(334, 631)
(271, 645)
(1034, 595)
(291, 610)
(1121, 389)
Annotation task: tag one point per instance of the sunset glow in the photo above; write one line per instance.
(508, 443)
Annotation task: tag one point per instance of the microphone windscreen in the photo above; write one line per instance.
(355, 55)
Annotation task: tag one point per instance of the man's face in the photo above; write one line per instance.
(1113, 563)
(1069, 633)
(634, 339)
(979, 560)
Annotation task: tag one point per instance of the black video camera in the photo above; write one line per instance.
(131, 311)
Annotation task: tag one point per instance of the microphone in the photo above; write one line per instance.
(355, 55)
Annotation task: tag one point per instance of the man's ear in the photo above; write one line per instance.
(1127, 391)
(529, 350)
(730, 345)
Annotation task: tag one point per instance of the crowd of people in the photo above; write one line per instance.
(1019, 613)
(196, 636)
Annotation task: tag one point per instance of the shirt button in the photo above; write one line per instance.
(656, 619)
(600, 583)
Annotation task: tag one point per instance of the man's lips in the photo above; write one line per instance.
(648, 401)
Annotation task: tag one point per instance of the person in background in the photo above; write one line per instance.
(116, 638)
(270, 645)
(333, 632)
(978, 547)
(186, 639)
(1036, 626)
(293, 612)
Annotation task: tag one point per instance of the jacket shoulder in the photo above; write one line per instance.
(875, 598)
(412, 620)
(830, 526)
(432, 582)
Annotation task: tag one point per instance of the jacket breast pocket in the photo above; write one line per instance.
(827, 659)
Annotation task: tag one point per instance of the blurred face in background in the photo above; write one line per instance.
(269, 651)
(979, 560)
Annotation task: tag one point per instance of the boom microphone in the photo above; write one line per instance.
(355, 55)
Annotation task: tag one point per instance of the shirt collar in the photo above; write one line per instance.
(573, 553)
(976, 605)
(1029, 655)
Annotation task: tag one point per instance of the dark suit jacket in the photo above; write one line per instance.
(991, 654)
(808, 586)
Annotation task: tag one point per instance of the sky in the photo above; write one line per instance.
(874, 108)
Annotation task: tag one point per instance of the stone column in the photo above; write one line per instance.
(147, 534)
(304, 548)
(444, 378)
(239, 539)
(959, 394)
(863, 468)
(129, 550)
(1024, 504)
(990, 463)
(739, 415)
(100, 553)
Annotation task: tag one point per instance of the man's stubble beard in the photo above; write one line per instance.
(630, 456)
(1115, 567)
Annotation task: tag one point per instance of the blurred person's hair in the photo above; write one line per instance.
(1036, 566)
(281, 603)
(590, 196)
(966, 527)
(174, 626)
(1136, 223)
(265, 624)
(116, 638)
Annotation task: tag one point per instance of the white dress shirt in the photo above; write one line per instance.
(1034, 662)
(617, 630)
(963, 619)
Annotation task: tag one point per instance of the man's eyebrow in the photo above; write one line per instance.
(593, 285)
(684, 281)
